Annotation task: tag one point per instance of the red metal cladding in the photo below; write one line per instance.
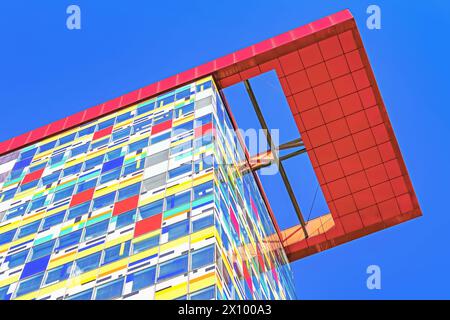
(33, 176)
(332, 93)
(102, 133)
(125, 205)
(148, 225)
(82, 197)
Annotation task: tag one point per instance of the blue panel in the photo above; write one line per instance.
(35, 266)
(112, 164)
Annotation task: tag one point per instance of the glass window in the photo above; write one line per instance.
(86, 131)
(138, 145)
(78, 210)
(117, 252)
(92, 163)
(17, 211)
(203, 190)
(37, 203)
(72, 170)
(28, 154)
(7, 236)
(28, 229)
(99, 143)
(86, 185)
(80, 149)
(145, 244)
(59, 273)
(202, 223)
(183, 111)
(129, 191)
(183, 169)
(141, 126)
(64, 193)
(185, 146)
(85, 295)
(124, 116)
(133, 167)
(205, 294)
(29, 285)
(52, 177)
(162, 118)
(66, 139)
(110, 290)
(47, 146)
(183, 94)
(87, 263)
(116, 153)
(110, 175)
(173, 267)
(57, 158)
(203, 163)
(144, 278)
(151, 209)
(122, 133)
(42, 250)
(106, 124)
(69, 239)
(183, 128)
(17, 259)
(204, 140)
(177, 200)
(202, 257)
(203, 120)
(29, 185)
(103, 201)
(96, 230)
(37, 167)
(126, 219)
(158, 181)
(4, 292)
(53, 220)
(8, 194)
(113, 164)
(146, 108)
(177, 230)
(157, 158)
(160, 137)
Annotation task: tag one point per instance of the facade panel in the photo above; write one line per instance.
(149, 202)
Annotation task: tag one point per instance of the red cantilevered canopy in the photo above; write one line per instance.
(332, 93)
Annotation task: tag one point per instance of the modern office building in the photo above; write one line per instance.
(152, 195)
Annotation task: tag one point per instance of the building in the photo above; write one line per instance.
(152, 196)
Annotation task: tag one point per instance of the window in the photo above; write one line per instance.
(53, 220)
(96, 230)
(78, 210)
(133, 167)
(144, 278)
(162, 118)
(52, 177)
(157, 158)
(37, 203)
(203, 163)
(66, 139)
(138, 145)
(202, 257)
(8, 194)
(185, 146)
(161, 137)
(154, 182)
(28, 229)
(141, 126)
(110, 290)
(37, 167)
(29, 185)
(145, 244)
(177, 200)
(86, 185)
(113, 164)
(120, 134)
(92, 163)
(63, 193)
(126, 219)
(183, 111)
(204, 294)
(199, 122)
(183, 169)
(204, 140)
(202, 223)
(114, 154)
(106, 124)
(183, 128)
(57, 158)
(42, 250)
(103, 201)
(111, 175)
(173, 267)
(28, 154)
(17, 259)
(117, 252)
(123, 117)
(87, 263)
(86, 131)
(17, 211)
(162, 101)
(29, 285)
(150, 209)
(177, 230)
(69, 239)
(146, 108)
(129, 191)
(85, 295)
(4, 292)
(58, 274)
(99, 143)
(7, 236)
(72, 170)
(183, 94)
(203, 190)
(80, 149)
(47, 146)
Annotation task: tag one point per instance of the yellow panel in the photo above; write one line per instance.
(172, 292)
(202, 282)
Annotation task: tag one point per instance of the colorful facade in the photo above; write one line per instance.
(149, 202)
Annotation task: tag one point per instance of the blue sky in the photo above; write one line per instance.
(48, 72)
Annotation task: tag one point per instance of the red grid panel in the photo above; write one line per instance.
(148, 225)
(82, 197)
(125, 205)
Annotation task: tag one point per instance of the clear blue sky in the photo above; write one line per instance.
(48, 72)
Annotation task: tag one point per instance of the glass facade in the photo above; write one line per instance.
(149, 202)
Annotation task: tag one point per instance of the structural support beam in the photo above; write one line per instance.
(283, 173)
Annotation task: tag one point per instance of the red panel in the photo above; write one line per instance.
(147, 225)
(102, 133)
(33, 176)
(82, 197)
(161, 127)
(126, 205)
